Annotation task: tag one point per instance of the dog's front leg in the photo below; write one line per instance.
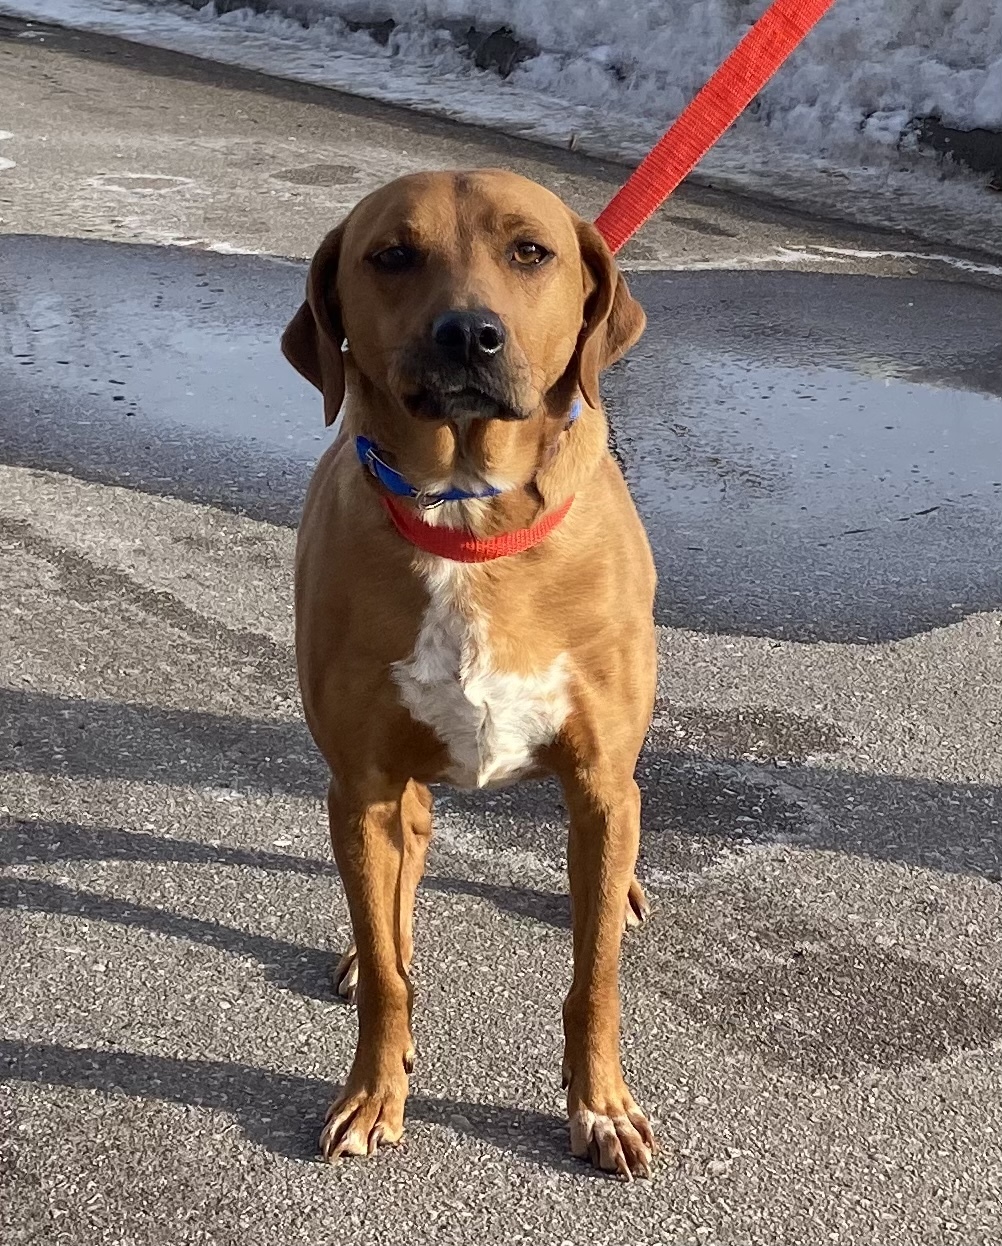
(367, 834)
(606, 1125)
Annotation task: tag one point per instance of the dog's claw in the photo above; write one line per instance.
(344, 976)
(622, 1144)
(638, 907)
(360, 1123)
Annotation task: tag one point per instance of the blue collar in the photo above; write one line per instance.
(370, 457)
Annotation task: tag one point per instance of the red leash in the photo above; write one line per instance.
(717, 106)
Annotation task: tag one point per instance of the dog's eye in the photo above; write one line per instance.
(394, 259)
(527, 254)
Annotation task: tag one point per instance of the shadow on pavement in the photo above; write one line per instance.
(111, 740)
(289, 965)
(548, 908)
(50, 842)
(805, 995)
(694, 804)
(278, 1111)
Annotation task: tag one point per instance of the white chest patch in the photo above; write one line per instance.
(491, 721)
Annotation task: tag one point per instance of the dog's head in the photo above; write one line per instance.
(463, 296)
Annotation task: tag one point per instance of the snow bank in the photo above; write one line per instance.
(860, 78)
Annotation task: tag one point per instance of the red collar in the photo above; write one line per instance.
(460, 546)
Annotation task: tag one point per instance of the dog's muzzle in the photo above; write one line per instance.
(463, 370)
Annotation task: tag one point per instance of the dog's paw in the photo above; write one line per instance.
(638, 907)
(344, 975)
(359, 1122)
(617, 1139)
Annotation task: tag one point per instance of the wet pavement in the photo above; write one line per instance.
(814, 456)
(158, 369)
(813, 1014)
(817, 456)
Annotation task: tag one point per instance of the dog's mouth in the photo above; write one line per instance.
(471, 402)
(435, 389)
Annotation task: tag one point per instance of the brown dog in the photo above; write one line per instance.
(474, 594)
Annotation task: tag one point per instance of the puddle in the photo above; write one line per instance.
(182, 340)
(814, 456)
(757, 444)
(158, 369)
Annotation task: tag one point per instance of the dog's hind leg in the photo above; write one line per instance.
(371, 835)
(415, 812)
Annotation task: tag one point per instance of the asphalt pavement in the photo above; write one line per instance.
(812, 1016)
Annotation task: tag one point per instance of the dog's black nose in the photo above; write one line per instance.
(468, 336)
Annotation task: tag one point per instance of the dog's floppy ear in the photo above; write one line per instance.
(613, 319)
(313, 337)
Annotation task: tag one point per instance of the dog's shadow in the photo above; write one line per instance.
(291, 966)
(278, 1111)
(281, 1112)
(547, 908)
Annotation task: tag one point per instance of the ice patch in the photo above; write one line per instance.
(951, 261)
(817, 256)
(139, 183)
